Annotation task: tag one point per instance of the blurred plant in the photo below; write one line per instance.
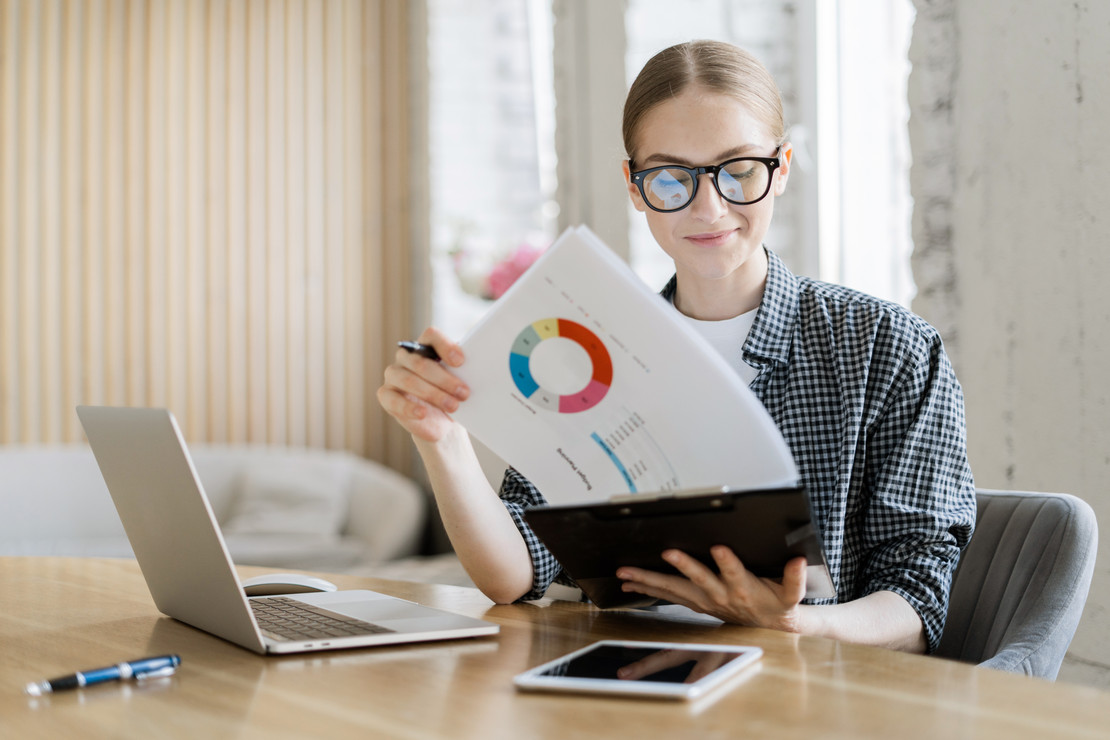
(486, 277)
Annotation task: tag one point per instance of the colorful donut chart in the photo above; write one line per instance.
(520, 365)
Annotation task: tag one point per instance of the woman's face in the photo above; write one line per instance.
(716, 245)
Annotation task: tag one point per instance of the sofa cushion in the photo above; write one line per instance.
(278, 495)
(53, 493)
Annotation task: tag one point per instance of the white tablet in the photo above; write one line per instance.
(668, 670)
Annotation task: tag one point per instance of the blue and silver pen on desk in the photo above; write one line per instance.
(139, 670)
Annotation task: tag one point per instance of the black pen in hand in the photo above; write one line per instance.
(424, 350)
(163, 665)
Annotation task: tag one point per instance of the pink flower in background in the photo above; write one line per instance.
(505, 272)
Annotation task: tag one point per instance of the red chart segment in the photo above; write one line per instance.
(603, 366)
(520, 365)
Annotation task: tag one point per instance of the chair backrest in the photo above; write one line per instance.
(1020, 586)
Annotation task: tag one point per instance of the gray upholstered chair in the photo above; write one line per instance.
(1020, 586)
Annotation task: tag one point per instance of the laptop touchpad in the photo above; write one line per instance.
(370, 606)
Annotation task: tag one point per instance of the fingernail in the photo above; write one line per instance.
(455, 357)
(462, 392)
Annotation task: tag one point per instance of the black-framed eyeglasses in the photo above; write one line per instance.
(743, 181)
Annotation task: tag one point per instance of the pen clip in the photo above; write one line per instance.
(157, 673)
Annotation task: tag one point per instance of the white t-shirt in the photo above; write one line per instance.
(728, 337)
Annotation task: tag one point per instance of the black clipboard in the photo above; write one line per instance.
(766, 528)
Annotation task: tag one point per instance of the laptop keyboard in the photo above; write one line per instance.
(282, 618)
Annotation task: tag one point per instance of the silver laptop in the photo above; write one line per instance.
(182, 554)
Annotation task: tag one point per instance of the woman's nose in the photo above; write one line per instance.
(708, 205)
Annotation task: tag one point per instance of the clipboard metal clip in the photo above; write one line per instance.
(624, 498)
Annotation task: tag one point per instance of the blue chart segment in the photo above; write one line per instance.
(522, 376)
(625, 438)
(616, 461)
(520, 366)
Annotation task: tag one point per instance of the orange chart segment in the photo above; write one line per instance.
(520, 365)
(603, 366)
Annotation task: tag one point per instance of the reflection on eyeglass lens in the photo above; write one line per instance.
(670, 189)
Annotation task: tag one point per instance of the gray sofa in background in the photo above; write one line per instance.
(283, 507)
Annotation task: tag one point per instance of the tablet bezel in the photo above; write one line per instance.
(533, 680)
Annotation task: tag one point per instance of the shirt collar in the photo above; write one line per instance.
(773, 329)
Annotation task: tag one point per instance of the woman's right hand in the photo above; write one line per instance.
(421, 393)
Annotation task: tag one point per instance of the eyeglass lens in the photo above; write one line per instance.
(742, 181)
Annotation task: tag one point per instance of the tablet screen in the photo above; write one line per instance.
(679, 670)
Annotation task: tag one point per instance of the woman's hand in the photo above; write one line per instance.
(421, 393)
(735, 595)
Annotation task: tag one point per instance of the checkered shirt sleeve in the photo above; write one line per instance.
(518, 494)
(870, 407)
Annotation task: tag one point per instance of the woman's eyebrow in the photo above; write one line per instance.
(663, 158)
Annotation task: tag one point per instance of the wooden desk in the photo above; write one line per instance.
(58, 615)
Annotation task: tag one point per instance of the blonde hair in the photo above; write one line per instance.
(714, 65)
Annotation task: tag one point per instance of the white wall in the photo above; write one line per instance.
(1012, 187)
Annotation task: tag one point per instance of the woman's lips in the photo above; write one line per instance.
(710, 239)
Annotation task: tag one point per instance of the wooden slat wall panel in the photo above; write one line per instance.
(28, 169)
(187, 218)
(217, 132)
(9, 47)
(395, 264)
(354, 134)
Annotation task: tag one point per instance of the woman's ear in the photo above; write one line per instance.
(633, 191)
(783, 172)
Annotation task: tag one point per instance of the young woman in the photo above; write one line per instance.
(861, 388)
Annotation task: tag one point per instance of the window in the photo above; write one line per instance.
(491, 144)
(862, 124)
(842, 69)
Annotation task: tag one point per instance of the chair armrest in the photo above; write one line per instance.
(387, 511)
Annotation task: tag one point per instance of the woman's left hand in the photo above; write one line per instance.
(734, 595)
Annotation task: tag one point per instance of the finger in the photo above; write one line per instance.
(402, 406)
(698, 672)
(731, 569)
(677, 589)
(698, 573)
(794, 581)
(444, 397)
(448, 351)
(663, 594)
(705, 666)
(646, 666)
(432, 371)
(647, 577)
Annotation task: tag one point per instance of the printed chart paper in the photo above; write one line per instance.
(587, 382)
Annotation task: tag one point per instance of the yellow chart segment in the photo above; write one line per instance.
(546, 328)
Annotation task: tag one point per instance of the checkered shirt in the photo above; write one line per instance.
(870, 407)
